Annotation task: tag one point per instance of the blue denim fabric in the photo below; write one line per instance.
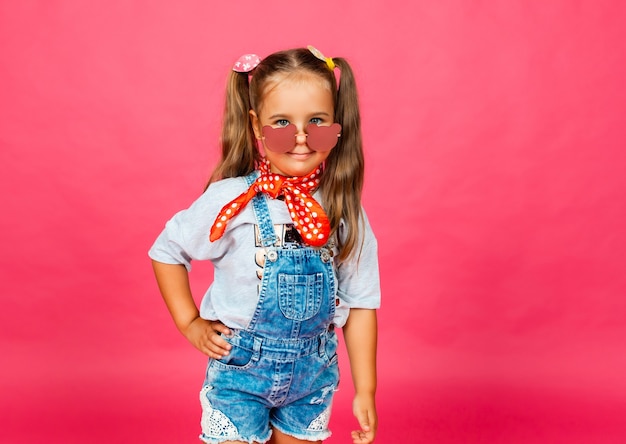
(282, 370)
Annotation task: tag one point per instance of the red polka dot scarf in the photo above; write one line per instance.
(307, 214)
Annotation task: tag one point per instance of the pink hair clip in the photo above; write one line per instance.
(246, 63)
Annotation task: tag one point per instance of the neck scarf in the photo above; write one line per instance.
(307, 214)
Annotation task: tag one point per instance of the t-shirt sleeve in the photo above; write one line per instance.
(171, 247)
(358, 276)
(186, 235)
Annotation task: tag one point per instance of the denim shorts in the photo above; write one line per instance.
(283, 383)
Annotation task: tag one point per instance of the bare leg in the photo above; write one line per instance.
(237, 442)
(279, 437)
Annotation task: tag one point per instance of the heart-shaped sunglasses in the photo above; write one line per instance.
(318, 138)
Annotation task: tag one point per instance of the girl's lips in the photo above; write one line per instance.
(299, 156)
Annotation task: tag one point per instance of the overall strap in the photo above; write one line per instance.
(262, 214)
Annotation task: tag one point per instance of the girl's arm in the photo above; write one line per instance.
(173, 283)
(360, 334)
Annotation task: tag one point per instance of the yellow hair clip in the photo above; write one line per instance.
(316, 52)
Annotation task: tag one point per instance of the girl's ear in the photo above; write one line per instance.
(254, 119)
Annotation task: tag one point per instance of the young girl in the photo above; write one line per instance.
(293, 254)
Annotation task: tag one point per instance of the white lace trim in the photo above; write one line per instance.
(320, 423)
(214, 422)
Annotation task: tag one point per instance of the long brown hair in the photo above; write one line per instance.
(342, 180)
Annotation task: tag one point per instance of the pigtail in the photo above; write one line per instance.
(239, 153)
(342, 181)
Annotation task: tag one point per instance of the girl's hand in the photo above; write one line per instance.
(364, 409)
(205, 336)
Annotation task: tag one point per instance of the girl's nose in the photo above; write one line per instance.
(300, 138)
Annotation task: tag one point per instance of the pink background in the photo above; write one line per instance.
(495, 140)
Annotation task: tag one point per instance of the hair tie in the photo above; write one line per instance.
(246, 63)
(328, 60)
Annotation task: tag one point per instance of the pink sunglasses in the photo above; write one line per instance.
(318, 138)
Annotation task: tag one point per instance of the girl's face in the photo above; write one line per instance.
(300, 100)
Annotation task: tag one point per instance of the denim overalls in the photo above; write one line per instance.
(282, 369)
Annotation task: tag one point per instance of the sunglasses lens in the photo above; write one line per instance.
(322, 138)
(281, 139)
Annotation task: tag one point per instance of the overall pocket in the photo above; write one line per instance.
(239, 358)
(300, 295)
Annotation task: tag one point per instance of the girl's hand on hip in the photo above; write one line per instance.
(365, 412)
(205, 336)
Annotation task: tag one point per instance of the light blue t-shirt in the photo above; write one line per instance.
(233, 295)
